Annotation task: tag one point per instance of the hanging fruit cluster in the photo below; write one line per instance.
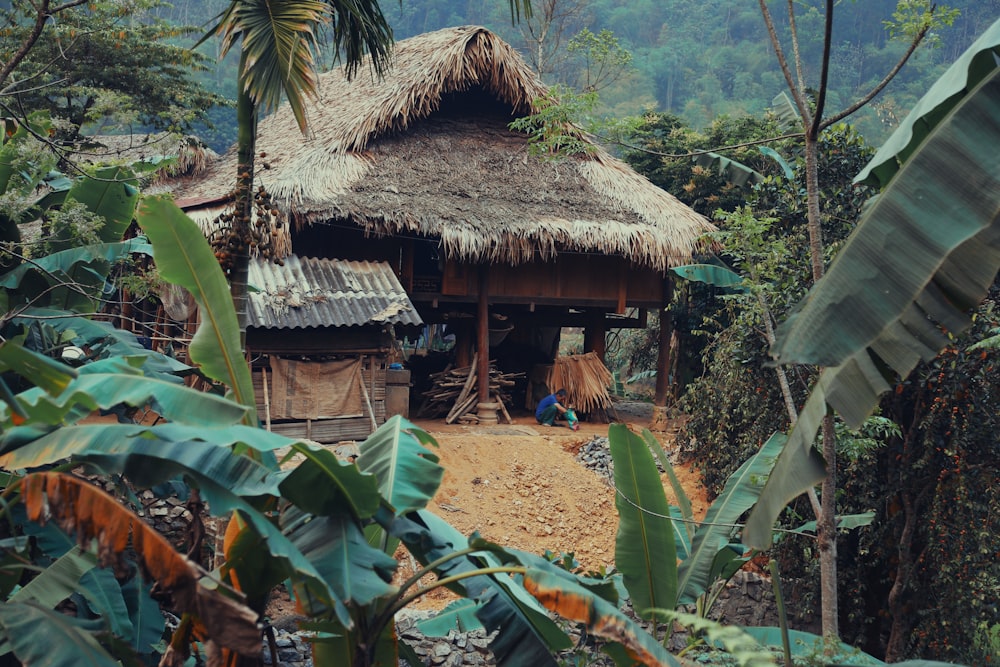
(234, 235)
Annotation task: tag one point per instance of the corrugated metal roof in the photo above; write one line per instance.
(309, 292)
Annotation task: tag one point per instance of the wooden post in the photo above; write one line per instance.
(594, 335)
(465, 334)
(483, 329)
(663, 364)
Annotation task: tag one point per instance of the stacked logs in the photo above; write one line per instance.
(453, 393)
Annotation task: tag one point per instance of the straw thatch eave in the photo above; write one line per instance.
(427, 151)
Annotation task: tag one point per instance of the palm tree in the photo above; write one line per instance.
(278, 41)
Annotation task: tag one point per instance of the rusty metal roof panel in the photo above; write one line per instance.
(308, 293)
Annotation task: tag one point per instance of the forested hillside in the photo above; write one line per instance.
(695, 58)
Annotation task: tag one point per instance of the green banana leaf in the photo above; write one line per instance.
(100, 589)
(113, 194)
(527, 636)
(925, 251)
(93, 391)
(183, 257)
(44, 372)
(326, 486)
(147, 460)
(844, 522)
(58, 581)
(735, 172)
(710, 274)
(104, 597)
(976, 63)
(645, 551)
(805, 644)
(68, 642)
(104, 340)
(460, 615)
(336, 546)
(70, 279)
(741, 491)
(774, 155)
(682, 537)
(144, 613)
(407, 471)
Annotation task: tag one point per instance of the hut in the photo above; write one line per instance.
(421, 169)
(321, 336)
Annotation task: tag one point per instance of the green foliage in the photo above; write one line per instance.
(603, 56)
(899, 314)
(108, 66)
(552, 129)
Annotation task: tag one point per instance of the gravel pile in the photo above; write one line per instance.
(596, 455)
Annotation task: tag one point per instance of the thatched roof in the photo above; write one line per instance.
(192, 156)
(427, 151)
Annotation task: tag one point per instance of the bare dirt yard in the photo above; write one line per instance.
(521, 485)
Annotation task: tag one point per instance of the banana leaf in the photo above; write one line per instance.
(976, 63)
(735, 172)
(407, 471)
(94, 391)
(336, 546)
(645, 551)
(926, 250)
(183, 257)
(68, 642)
(601, 618)
(58, 581)
(710, 274)
(326, 486)
(104, 597)
(741, 491)
(460, 615)
(144, 613)
(527, 636)
(104, 340)
(112, 193)
(684, 529)
(71, 279)
(147, 460)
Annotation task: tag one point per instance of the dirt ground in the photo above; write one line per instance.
(521, 486)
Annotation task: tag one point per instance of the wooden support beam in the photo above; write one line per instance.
(594, 334)
(483, 329)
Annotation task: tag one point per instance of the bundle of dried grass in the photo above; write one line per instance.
(586, 379)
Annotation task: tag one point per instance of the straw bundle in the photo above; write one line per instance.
(586, 379)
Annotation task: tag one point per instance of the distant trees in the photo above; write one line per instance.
(104, 66)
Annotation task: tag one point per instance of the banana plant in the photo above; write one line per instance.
(666, 557)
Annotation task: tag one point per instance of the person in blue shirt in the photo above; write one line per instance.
(554, 406)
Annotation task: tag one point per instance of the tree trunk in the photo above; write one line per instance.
(826, 529)
(246, 115)
(663, 360)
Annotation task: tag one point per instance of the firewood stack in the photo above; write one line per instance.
(454, 394)
(586, 379)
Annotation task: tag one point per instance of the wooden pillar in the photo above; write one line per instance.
(594, 334)
(663, 357)
(483, 329)
(464, 336)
